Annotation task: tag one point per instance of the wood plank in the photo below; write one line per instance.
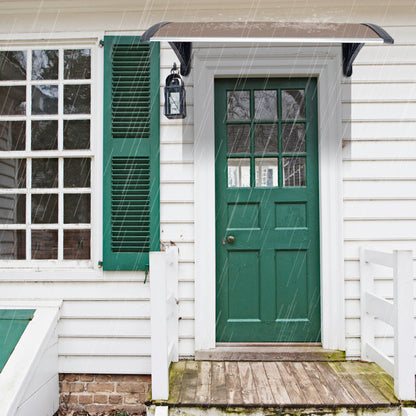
(175, 380)
(295, 394)
(306, 384)
(203, 388)
(233, 384)
(277, 384)
(361, 379)
(218, 389)
(248, 389)
(359, 395)
(320, 383)
(261, 382)
(189, 381)
(341, 388)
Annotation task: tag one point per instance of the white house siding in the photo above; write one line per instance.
(379, 121)
(105, 322)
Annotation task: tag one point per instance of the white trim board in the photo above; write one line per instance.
(323, 62)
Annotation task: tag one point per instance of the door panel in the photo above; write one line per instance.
(267, 219)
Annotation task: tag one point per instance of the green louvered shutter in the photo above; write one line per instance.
(131, 153)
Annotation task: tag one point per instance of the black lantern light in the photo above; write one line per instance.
(175, 106)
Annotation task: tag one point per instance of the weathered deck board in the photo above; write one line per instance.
(280, 384)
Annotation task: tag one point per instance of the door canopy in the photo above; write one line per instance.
(352, 36)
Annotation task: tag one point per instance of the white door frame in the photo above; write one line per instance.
(232, 60)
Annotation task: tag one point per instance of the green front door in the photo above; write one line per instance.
(267, 218)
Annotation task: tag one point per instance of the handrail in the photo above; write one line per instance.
(398, 314)
(163, 273)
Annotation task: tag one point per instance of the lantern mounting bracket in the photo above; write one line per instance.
(183, 51)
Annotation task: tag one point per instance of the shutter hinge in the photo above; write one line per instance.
(146, 273)
(101, 43)
(100, 264)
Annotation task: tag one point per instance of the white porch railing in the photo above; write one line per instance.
(163, 274)
(398, 314)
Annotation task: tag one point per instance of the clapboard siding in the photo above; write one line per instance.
(379, 115)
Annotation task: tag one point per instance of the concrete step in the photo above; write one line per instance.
(257, 351)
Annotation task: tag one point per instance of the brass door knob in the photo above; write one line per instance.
(231, 239)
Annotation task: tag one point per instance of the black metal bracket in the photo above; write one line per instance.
(349, 53)
(183, 51)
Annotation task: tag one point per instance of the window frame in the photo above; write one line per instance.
(69, 41)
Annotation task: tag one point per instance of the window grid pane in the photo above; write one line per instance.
(38, 195)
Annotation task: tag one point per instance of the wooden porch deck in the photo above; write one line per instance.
(280, 386)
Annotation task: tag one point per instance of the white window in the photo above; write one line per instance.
(46, 158)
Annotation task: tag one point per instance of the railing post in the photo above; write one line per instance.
(158, 323)
(404, 360)
(367, 320)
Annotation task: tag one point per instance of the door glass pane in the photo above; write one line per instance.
(238, 105)
(265, 105)
(12, 65)
(77, 99)
(12, 244)
(44, 99)
(293, 105)
(293, 137)
(45, 135)
(12, 209)
(44, 244)
(77, 172)
(77, 64)
(12, 135)
(238, 138)
(45, 208)
(265, 138)
(77, 208)
(266, 172)
(294, 172)
(45, 64)
(44, 173)
(239, 173)
(12, 173)
(12, 101)
(77, 244)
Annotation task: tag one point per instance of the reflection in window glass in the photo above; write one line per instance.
(77, 244)
(238, 138)
(45, 173)
(12, 173)
(44, 135)
(44, 244)
(12, 135)
(265, 105)
(77, 208)
(45, 64)
(238, 105)
(265, 138)
(239, 173)
(76, 134)
(266, 172)
(293, 104)
(44, 99)
(12, 65)
(294, 172)
(77, 172)
(44, 208)
(13, 244)
(77, 64)
(12, 101)
(293, 137)
(12, 209)
(77, 99)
